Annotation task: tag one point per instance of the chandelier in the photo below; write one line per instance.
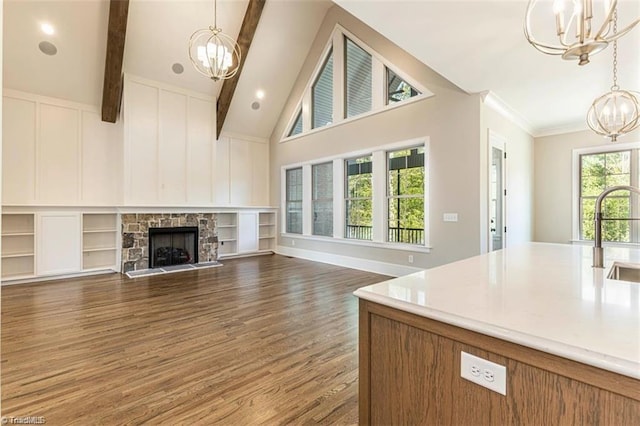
(616, 112)
(581, 29)
(213, 53)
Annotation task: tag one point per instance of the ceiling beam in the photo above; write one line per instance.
(112, 88)
(248, 29)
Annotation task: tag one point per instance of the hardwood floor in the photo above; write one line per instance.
(262, 340)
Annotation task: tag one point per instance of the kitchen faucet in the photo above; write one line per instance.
(598, 251)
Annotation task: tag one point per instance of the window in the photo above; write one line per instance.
(405, 196)
(599, 171)
(398, 90)
(357, 79)
(359, 198)
(322, 95)
(351, 84)
(322, 199)
(296, 129)
(294, 201)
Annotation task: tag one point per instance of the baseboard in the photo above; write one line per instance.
(375, 266)
(37, 279)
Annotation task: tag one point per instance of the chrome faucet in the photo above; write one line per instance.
(598, 251)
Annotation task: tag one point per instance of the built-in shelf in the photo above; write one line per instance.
(266, 231)
(99, 238)
(17, 234)
(18, 248)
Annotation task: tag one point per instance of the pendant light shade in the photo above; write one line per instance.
(615, 113)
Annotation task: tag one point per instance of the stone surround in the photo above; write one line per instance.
(135, 235)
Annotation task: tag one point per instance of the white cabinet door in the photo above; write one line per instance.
(58, 237)
(247, 232)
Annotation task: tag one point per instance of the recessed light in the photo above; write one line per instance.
(260, 94)
(47, 28)
(47, 48)
(177, 68)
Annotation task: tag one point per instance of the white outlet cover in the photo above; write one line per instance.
(450, 217)
(491, 375)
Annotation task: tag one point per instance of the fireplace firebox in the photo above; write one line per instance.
(173, 246)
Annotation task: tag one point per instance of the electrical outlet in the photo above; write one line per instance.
(293, 242)
(450, 217)
(410, 258)
(484, 373)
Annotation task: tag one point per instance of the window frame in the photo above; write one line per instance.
(345, 95)
(329, 56)
(576, 206)
(288, 200)
(379, 230)
(314, 200)
(336, 45)
(389, 197)
(348, 199)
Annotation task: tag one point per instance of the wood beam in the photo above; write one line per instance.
(248, 29)
(112, 87)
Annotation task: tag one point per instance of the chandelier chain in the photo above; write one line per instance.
(615, 51)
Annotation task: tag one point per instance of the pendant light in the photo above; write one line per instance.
(213, 53)
(581, 30)
(616, 112)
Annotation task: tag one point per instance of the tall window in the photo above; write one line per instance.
(359, 198)
(322, 95)
(294, 201)
(357, 79)
(398, 90)
(405, 196)
(322, 199)
(599, 171)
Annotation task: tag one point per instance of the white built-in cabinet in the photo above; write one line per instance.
(40, 244)
(58, 243)
(245, 232)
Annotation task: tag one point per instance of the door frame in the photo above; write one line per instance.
(500, 142)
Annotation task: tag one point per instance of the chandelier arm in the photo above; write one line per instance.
(606, 24)
(551, 50)
(564, 39)
(625, 30)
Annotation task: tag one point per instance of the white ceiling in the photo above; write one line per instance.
(477, 44)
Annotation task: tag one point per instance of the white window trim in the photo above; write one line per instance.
(575, 185)
(379, 196)
(378, 83)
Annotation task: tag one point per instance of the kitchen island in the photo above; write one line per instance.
(568, 336)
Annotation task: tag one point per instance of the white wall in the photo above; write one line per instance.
(162, 152)
(451, 121)
(554, 177)
(58, 153)
(172, 158)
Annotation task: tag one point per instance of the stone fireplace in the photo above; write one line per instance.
(135, 235)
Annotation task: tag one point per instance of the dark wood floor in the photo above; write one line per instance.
(263, 340)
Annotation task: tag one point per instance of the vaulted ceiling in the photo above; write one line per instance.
(477, 44)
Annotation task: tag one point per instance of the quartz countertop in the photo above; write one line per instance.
(539, 295)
